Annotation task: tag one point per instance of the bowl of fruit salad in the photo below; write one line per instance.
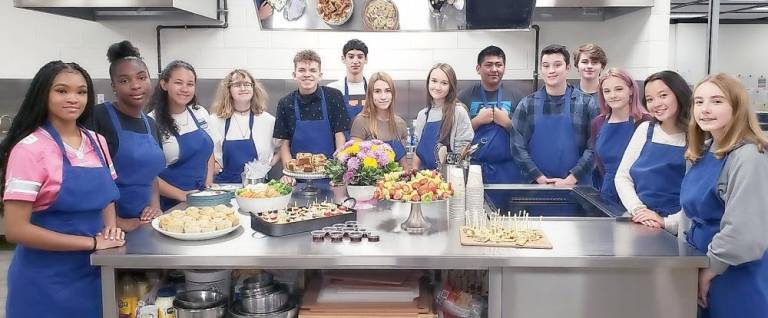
(423, 186)
(262, 197)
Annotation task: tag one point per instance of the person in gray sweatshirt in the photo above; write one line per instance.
(444, 121)
(723, 199)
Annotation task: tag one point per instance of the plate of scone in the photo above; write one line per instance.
(197, 223)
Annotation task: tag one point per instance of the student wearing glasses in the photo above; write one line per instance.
(244, 127)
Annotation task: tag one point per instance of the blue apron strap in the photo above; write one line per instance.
(324, 105)
(112, 111)
(426, 120)
(96, 147)
(226, 127)
(346, 90)
(322, 101)
(250, 125)
(541, 96)
(499, 95)
(55, 134)
(296, 111)
(649, 132)
(191, 113)
(538, 101)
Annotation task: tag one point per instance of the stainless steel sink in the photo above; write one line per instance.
(550, 201)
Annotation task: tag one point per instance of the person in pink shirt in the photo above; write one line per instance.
(59, 194)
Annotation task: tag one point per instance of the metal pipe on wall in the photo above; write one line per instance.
(223, 25)
(536, 29)
(713, 30)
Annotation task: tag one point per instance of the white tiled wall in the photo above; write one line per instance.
(741, 50)
(637, 41)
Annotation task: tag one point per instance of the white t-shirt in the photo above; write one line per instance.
(625, 186)
(263, 126)
(186, 124)
(356, 91)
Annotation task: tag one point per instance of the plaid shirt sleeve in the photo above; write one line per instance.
(584, 111)
(522, 128)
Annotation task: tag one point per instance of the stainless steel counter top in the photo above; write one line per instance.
(598, 243)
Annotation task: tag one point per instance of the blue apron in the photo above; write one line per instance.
(398, 147)
(552, 145)
(430, 135)
(138, 161)
(495, 153)
(352, 111)
(58, 284)
(312, 136)
(236, 153)
(612, 140)
(657, 175)
(189, 171)
(742, 290)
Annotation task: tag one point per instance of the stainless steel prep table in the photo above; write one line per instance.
(599, 267)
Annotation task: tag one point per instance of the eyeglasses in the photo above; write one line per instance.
(245, 85)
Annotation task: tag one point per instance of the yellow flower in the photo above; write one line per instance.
(391, 155)
(355, 148)
(374, 147)
(370, 162)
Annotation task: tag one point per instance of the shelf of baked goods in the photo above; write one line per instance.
(363, 15)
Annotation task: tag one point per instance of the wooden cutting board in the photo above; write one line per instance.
(384, 277)
(310, 307)
(542, 243)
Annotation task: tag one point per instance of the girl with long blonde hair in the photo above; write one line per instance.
(244, 127)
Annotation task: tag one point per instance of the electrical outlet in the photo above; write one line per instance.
(99, 98)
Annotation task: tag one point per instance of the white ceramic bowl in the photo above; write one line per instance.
(263, 205)
(361, 193)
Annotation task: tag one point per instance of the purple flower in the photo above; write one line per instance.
(347, 177)
(353, 163)
(365, 147)
(377, 142)
(380, 156)
(343, 157)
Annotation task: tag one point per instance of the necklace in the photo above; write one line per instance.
(243, 134)
(79, 151)
(186, 116)
(241, 112)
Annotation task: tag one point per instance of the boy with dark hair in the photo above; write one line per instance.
(312, 118)
(490, 107)
(354, 55)
(551, 127)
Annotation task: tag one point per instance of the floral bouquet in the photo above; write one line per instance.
(361, 163)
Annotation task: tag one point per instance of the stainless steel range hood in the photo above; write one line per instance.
(108, 9)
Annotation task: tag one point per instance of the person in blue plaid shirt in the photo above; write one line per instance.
(551, 126)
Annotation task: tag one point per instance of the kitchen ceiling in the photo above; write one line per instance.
(731, 11)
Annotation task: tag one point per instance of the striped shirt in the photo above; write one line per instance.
(35, 166)
(583, 110)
